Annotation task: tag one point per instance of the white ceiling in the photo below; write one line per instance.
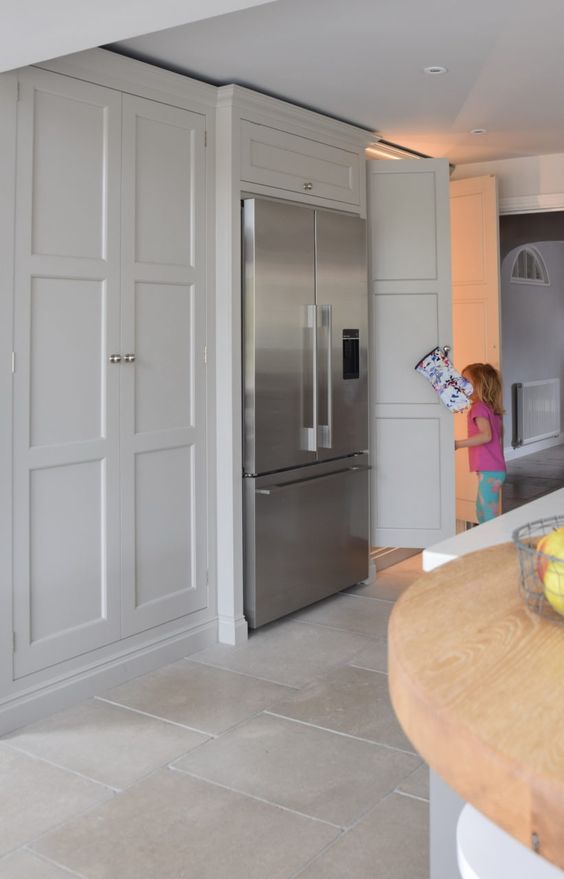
(362, 60)
(35, 30)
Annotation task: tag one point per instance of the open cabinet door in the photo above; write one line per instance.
(475, 301)
(412, 433)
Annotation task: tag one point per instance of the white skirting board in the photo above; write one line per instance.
(521, 452)
(385, 556)
(28, 706)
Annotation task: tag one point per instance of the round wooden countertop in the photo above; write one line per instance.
(477, 683)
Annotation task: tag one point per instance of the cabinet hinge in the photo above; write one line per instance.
(205, 138)
(18, 90)
(14, 641)
(205, 354)
(13, 362)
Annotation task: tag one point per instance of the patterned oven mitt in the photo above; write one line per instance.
(453, 389)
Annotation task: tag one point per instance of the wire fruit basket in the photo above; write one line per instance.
(542, 574)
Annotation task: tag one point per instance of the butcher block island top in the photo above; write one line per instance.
(477, 683)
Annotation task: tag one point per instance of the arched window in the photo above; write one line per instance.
(529, 267)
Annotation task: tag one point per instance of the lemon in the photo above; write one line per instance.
(552, 571)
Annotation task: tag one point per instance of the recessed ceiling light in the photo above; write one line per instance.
(435, 70)
(479, 131)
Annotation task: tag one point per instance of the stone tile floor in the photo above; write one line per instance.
(533, 476)
(277, 759)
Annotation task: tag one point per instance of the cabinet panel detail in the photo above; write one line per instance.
(406, 323)
(67, 354)
(164, 191)
(403, 233)
(416, 443)
(164, 501)
(468, 258)
(164, 348)
(70, 176)
(67, 569)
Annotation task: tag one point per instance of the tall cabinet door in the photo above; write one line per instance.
(66, 518)
(163, 390)
(412, 432)
(475, 300)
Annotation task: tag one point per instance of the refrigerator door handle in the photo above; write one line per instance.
(309, 390)
(274, 489)
(325, 405)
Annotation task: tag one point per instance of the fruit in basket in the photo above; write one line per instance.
(551, 571)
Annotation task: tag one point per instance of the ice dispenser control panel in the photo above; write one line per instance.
(351, 354)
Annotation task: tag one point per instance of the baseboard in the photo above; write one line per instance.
(522, 451)
(22, 708)
(383, 557)
(232, 631)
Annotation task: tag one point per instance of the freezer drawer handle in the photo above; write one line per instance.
(274, 489)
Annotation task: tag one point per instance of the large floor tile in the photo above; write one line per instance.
(373, 656)
(208, 699)
(391, 843)
(387, 587)
(365, 616)
(25, 865)
(36, 796)
(287, 651)
(349, 700)
(416, 784)
(318, 773)
(171, 826)
(112, 745)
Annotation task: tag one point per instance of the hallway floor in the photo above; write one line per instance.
(533, 476)
(276, 759)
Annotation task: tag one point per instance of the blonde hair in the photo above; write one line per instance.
(486, 382)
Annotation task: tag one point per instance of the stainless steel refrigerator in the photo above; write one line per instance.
(305, 406)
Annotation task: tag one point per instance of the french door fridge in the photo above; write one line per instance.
(305, 405)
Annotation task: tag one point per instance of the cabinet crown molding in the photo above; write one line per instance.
(108, 68)
(276, 113)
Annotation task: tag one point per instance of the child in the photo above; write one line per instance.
(485, 437)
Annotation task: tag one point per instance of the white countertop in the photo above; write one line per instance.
(496, 531)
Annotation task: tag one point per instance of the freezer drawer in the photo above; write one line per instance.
(306, 536)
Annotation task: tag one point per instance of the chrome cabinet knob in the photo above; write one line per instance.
(308, 187)
(129, 358)
(115, 358)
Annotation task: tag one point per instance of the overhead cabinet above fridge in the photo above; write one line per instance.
(305, 405)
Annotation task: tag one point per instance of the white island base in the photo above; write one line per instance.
(487, 852)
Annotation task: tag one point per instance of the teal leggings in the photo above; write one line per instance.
(489, 490)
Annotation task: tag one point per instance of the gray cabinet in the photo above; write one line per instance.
(286, 161)
(109, 382)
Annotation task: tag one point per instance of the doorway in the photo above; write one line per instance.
(532, 327)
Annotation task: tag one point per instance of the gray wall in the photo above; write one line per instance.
(515, 229)
(532, 325)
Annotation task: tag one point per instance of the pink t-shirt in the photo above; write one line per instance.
(488, 456)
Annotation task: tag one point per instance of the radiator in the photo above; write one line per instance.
(536, 411)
